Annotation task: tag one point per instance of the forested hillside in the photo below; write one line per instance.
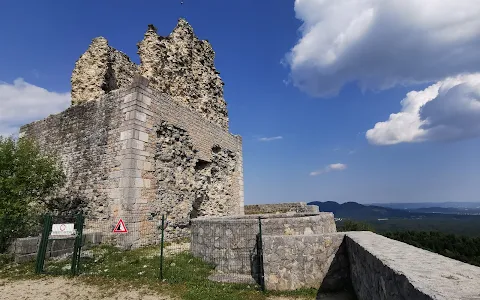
(462, 248)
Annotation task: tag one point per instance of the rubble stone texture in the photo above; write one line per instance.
(189, 187)
(99, 70)
(182, 66)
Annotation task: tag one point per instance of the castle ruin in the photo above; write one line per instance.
(147, 139)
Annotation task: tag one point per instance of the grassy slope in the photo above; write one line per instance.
(185, 276)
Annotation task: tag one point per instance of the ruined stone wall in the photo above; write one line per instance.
(182, 66)
(85, 138)
(137, 151)
(179, 65)
(196, 164)
(299, 207)
(99, 70)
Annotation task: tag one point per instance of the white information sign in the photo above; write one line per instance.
(63, 229)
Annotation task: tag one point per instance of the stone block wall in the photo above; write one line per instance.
(299, 207)
(382, 268)
(137, 151)
(86, 139)
(306, 261)
(230, 242)
(25, 249)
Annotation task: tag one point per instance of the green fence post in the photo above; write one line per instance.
(79, 220)
(80, 240)
(161, 247)
(260, 255)
(42, 248)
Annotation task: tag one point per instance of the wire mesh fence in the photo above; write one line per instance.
(137, 245)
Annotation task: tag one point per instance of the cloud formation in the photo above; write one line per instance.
(446, 110)
(329, 168)
(381, 44)
(269, 139)
(22, 103)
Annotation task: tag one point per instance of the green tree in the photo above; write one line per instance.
(28, 178)
(349, 225)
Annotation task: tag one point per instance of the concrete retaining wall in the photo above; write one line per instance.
(25, 249)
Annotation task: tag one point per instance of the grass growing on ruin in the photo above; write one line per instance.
(185, 276)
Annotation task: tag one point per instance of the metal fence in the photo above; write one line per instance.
(138, 246)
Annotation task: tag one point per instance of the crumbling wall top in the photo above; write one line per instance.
(179, 65)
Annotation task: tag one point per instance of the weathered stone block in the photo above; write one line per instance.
(382, 268)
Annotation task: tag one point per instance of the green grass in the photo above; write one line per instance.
(184, 275)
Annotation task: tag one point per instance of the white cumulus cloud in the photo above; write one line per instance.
(446, 110)
(329, 168)
(22, 103)
(383, 43)
(269, 139)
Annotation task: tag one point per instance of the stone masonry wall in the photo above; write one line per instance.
(182, 66)
(99, 70)
(383, 269)
(25, 249)
(306, 261)
(203, 148)
(229, 242)
(189, 187)
(111, 150)
(299, 207)
(86, 139)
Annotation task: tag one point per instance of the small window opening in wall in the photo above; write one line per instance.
(216, 149)
(201, 164)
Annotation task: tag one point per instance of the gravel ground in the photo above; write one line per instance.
(65, 289)
(58, 288)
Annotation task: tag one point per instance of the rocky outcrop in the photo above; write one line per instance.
(99, 70)
(182, 66)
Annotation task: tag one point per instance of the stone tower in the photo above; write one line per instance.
(148, 139)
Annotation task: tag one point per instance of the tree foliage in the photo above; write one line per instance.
(462, 248)
(28, 178)
(350, 225)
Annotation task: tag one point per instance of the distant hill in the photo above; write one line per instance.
(458, 205)
(385, 219)
(358, 211)
(464, 208)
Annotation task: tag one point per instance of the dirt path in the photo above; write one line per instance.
(58, 288)
(66, 289)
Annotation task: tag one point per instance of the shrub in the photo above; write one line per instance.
(27, 179)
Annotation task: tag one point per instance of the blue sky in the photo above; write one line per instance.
(321, 98)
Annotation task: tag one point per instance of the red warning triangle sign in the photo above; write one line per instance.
(120, 227)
